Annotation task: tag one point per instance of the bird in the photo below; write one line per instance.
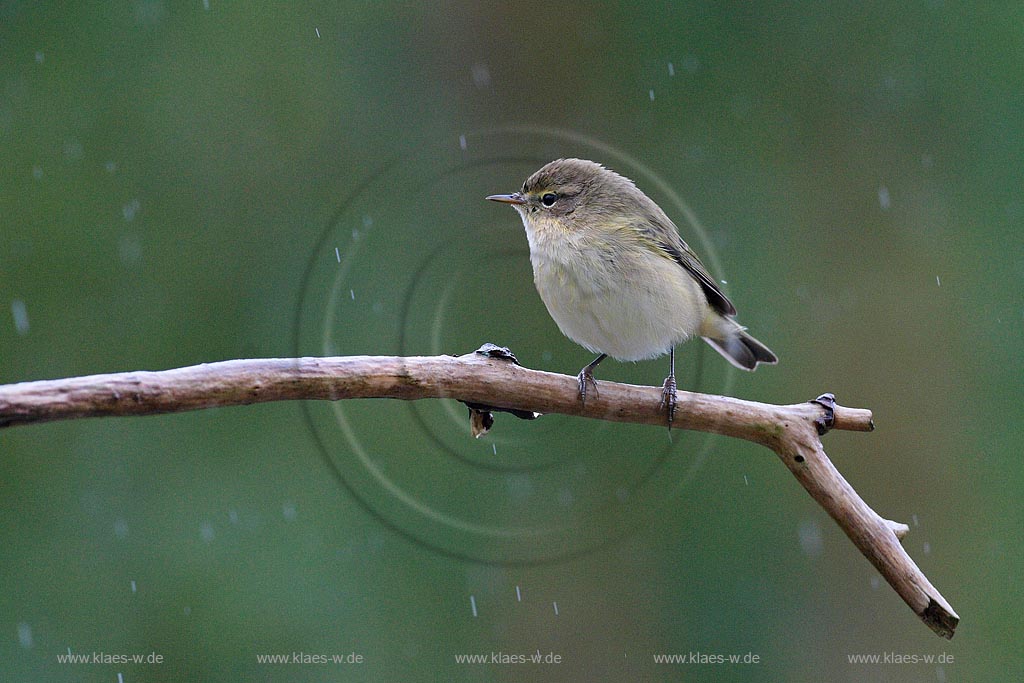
(617, 277)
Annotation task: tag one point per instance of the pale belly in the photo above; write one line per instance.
(606, 308)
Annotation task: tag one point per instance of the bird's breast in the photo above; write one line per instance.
(614, 297)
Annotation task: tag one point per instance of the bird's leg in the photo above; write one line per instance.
(668, 390)
(587, 376)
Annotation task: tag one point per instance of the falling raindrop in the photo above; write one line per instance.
(20, 315)
(130, 209)
(24, 635)
(883, 198)
(811, 541)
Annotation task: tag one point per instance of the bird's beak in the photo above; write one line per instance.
(515, 198)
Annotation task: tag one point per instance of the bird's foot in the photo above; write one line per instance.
(668, 398)
(586, 377)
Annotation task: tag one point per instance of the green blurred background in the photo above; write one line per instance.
(190, 182)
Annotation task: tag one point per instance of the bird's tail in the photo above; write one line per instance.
(742, 350)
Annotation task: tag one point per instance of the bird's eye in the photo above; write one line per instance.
(549, 198)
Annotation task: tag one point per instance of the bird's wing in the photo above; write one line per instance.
(668, 240)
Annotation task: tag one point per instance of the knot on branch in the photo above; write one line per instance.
(827, 421)
(481, 416)
(489, 350)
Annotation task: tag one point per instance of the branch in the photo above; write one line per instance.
(792, 431)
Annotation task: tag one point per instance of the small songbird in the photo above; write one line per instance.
(616, 276)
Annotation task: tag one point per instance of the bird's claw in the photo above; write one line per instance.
(584, 378)
(668, 398)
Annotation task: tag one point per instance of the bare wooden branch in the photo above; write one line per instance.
(792, 431)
